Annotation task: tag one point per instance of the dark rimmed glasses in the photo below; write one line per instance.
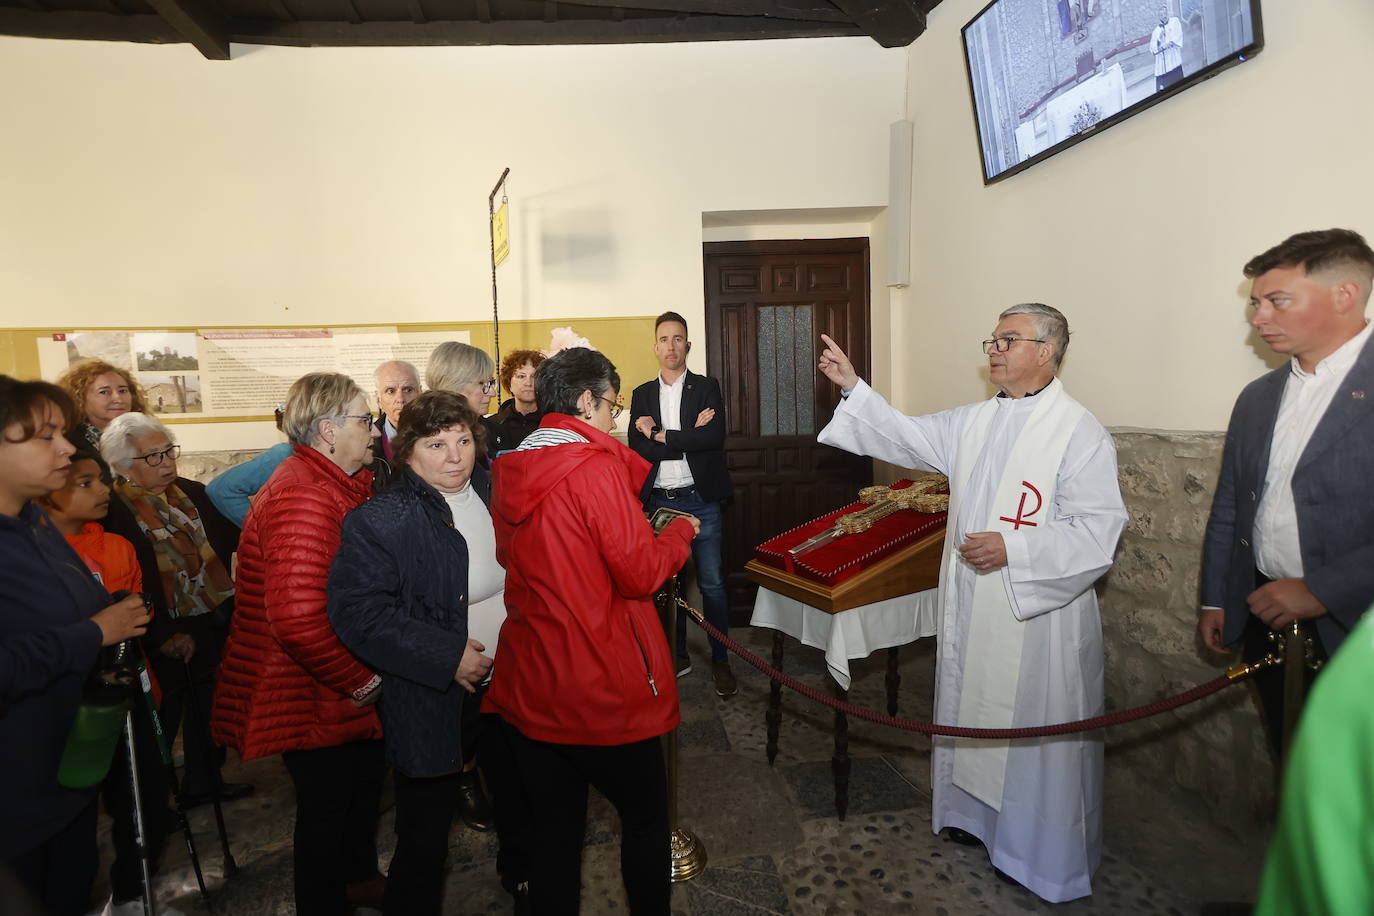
(155, 458)
(617, 408)
(1003, 344)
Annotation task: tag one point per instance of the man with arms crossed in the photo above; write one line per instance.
(679, 426)
(1035, 514)
(1291, 535)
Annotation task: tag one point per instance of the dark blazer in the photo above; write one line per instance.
(1330, 490)
(398, 599)
(704, 447)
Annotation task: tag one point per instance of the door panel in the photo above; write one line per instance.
(766, 305)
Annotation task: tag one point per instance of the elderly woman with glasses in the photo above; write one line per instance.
(288, 685)
(469, 373)
(101, 392)
(185, 548)
(585, 683)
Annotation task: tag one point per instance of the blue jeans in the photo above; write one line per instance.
(706, 553)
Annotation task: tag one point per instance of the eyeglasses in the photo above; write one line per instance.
(617, 408)
(367, 418)
(155, 458)
(1003, 344)
(489, 386)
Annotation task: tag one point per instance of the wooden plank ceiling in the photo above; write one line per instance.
(210, 25)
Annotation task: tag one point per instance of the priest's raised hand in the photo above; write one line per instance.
(835, 366)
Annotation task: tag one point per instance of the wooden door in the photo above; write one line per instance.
(767, 304)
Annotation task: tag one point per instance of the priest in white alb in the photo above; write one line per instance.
(1034, 517)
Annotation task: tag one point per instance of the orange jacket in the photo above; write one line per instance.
(109, 557)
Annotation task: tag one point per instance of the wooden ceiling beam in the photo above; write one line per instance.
(197, 22)
(891, 23)
(803, 10)
(528, 32)
(86, 26)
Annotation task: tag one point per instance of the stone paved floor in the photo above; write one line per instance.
(773, 841)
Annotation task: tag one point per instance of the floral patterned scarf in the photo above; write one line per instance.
(193, 577)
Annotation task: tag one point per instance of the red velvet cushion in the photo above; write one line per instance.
(846, 556)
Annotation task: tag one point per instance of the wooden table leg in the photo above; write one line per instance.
(774, 715)
(893, 680)
(839, 763)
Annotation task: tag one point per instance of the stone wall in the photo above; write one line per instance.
(1215, 749)
(1212, 752)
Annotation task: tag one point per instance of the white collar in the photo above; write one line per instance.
(681, 379)
(1340, 361)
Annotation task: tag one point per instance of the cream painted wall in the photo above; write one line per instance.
(1138, 234)
(343, 185)
(299, 186)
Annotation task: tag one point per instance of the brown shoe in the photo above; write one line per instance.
(724, 678)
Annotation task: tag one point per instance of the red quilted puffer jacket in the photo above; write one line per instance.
(286, 682)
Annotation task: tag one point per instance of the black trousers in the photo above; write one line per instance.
(425, 806)
(60, 871)
(634, 780)
(509, 802)
(126, 872)
(338, 792)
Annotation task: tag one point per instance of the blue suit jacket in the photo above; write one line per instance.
(1332, 493)
(702, 446)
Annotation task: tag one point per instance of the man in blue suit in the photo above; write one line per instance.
(678, 424)
(1291, 535)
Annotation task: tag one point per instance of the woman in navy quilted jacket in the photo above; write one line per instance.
(416, 592)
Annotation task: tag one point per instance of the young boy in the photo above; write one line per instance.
(76, 511)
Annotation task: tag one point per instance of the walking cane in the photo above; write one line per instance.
(231, 867)
(165, 752)
(140, 834)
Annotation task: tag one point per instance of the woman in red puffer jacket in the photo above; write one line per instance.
(287, 684)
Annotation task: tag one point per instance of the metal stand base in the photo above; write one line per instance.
(689, 855)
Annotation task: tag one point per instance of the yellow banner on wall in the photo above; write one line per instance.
(500, 234)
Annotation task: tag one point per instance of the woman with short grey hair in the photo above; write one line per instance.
(465, 370)
(185, 547)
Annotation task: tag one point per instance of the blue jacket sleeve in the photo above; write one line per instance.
(233, 490)
(373, 618)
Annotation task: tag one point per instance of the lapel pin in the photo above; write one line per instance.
(1357, 394)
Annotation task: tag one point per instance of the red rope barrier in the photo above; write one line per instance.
(955, 731)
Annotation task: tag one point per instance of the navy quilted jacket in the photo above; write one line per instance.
(398, 600)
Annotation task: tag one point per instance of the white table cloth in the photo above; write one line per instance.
(855, 633)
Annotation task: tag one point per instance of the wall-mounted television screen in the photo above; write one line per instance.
(1048, 73)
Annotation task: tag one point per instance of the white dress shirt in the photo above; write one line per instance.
(1306, 397)
(676, 473)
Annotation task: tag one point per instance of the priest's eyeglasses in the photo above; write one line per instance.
(1003, 344)
(155, 458)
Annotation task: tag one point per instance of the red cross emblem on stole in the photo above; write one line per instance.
(1022, 516)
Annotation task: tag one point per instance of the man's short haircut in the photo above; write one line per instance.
(399, 363)
(454, 365)
(670, 316)
(560, 380)
(1050, 325)
(1316, 251)
(24, 403)
(432, 413)
(117, 441)
(314, 397)
(515, 361)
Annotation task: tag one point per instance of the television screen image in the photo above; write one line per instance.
(1048, 73)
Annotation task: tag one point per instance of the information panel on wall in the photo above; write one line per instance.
(218, 373)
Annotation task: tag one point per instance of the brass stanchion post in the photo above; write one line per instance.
(688, 852)
(1294, 680)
